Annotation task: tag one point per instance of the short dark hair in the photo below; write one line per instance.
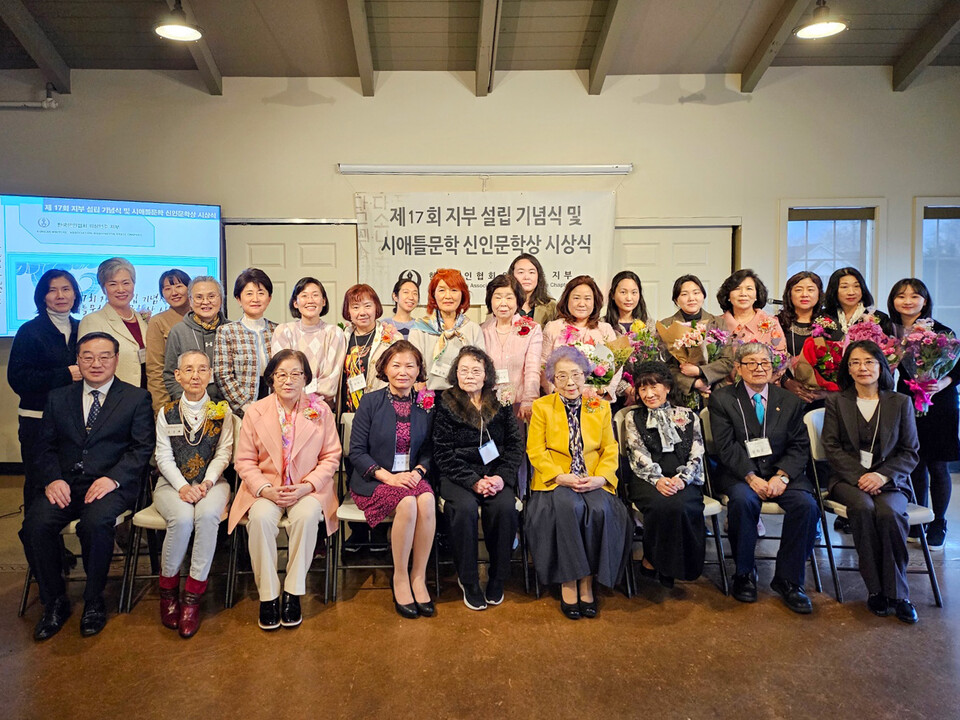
(681, 281)
(299, 288)
(651, 372)
(733, 282)
(98, 335)
(613, 311)
(286, 354)
(175, 274)
(252, 275)
(43, 287)
(845, 379)
(489, 370)
(356, 293)
(401, 346)
(831, 298)
(504, 281)
(539, 295)
(563, 304)
(916, 284)
(788, 314)
(404, 278)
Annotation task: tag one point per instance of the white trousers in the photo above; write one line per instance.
(264, 526)
(185, 519)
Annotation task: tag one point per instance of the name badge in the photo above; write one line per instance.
(356, 383)
(866, 459)
(401, 463)
(760, 447)
(440, 370)
(174, 430)
(142, 355)
(489, 452)
(503, 376)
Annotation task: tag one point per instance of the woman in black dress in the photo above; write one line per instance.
(665, 481)
(908, 302)
(43, 357)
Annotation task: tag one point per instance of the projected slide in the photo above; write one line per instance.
(40, 233)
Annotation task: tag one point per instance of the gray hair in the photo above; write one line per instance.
(569, 353)
(187, 353)
(754, 348)
(110, 267)
(208, 279)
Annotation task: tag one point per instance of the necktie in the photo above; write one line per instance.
(758, 405)
(94, 409)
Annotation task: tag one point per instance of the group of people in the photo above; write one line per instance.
(479, 414)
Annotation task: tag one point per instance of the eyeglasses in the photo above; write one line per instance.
(465, 372)
(90, 358)
(281, 377)
(563, 377)
(762, 365)
(868, 364)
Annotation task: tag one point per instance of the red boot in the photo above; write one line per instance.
(170, 601)
(190, 610)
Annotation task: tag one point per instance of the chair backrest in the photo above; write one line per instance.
(346, 428)
(814, 422)
(619, 423)
(707, 432)
(237, 423)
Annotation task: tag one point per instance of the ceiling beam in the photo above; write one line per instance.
(487, 37)
(931, 41)
(788, 17)
(610, 34)
(200, 51)
(361, 43)
(35, 41)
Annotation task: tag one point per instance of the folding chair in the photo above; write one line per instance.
(711, 508)
(916, 514)
(766, 508)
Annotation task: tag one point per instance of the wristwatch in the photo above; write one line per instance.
(420, 471)
(784, 477)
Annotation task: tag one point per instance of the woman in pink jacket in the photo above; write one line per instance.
(287, 455)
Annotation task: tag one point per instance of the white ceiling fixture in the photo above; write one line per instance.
(175, 26)
(485, 170)
(822, 24)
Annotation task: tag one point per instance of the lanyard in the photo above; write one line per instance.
(743, 416)
(876, 429)
(489, 437)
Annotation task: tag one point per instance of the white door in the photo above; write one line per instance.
(659, 255)
(287, 253)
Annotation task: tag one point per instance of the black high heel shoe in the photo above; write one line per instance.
(589, 609)
(572, 611)
(648, 572)
(426, 609)
(410, 611)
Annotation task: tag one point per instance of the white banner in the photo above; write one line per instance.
(479, 234)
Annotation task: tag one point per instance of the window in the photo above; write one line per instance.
(941, 261)
(823, 239)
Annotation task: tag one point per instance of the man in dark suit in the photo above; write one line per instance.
(96, 440)
(762, 447)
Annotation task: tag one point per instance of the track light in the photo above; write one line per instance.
(821, 25)
(176, 27)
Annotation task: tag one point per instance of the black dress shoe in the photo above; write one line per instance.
(665, 580)
(879, 605)
(589, 609)
(409, 611)
(571, 611)
(648, 572)
(426, 609)
(270, 614)
(54, 616)
(793, 596)
(906, 612)
(94, 617)
(745, 588)
(290, 615)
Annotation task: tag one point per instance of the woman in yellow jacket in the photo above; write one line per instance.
(577, 526)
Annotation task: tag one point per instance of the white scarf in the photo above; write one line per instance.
(662, 420)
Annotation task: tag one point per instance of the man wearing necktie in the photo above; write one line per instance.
(96, 440)
(761, 445)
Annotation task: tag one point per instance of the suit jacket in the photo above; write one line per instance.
(785, 431)
(118, 446)
(39, 360)
(542, 314)
(107, 320)
(519, 355)
(713, 372)
(896, 451)
(235, 365)
(259, 460)
(548, 443)
(373, 440)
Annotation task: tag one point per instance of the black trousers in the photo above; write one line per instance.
(500, 520)
(29, 434)
(44, 549)
(674, 536)
(797, 538)
(879, 524)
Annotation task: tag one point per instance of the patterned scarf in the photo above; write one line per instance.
(210, 326)
(434, 326)
(287, 436)
(661, 419)
(577, 466)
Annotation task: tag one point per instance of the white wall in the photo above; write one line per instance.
(269, 147)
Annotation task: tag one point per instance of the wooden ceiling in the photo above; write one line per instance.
(358, 38)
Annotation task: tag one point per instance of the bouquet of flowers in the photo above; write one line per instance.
(818, 364)
(928, 356)
(824, 327)
(602, 361)
(869, 329)
(693, 344)
(645, 347)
